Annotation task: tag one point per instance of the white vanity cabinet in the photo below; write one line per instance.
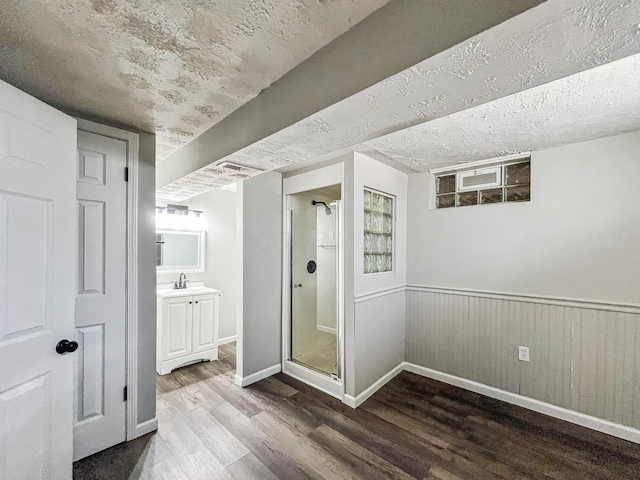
(187, 327)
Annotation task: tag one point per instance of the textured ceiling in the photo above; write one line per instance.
(595, 103)
(175, 67)
(555, 40)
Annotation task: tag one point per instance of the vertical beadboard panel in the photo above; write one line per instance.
(582, 358)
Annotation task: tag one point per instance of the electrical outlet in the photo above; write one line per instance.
(523, 354)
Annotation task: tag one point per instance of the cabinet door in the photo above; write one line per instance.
(176, 328)
(205, 322)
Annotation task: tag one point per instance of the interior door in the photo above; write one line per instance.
(100, 406)
(37, 281)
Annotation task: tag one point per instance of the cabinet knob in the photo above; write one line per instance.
(190, 303)
(196, 301)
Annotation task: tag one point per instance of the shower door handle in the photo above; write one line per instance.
(297, 285)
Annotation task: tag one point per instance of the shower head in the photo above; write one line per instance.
(327, 210)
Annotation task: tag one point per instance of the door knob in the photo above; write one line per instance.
(65, 346)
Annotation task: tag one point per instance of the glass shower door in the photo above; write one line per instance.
(314, 289)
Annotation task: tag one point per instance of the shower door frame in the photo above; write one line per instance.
(324, 383)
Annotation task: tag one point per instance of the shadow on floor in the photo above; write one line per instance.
(119, 462)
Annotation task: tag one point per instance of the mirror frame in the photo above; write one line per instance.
(201, 253)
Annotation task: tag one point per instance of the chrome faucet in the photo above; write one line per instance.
(181, 283)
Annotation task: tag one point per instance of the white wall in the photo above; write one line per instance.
(559, 274)
(379, 321)
(373, 174)
(221, 263)
(146, 294)
(221, 252)
(259, 325)
(578, 237)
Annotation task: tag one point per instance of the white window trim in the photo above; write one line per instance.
(461, 176)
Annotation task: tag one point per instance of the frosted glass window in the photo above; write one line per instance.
(378, 232)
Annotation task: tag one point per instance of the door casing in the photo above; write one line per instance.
(324, 383)
(132, 140)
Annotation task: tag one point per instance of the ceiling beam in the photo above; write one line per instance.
(396, 37)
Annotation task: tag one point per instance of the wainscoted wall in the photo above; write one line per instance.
(583, 354)
(379, 336)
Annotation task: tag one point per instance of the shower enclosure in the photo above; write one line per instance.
(314, 295)
(314, 339)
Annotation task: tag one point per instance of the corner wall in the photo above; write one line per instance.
(379, 308)
(260, 313)
(146, 278)
(558, 274)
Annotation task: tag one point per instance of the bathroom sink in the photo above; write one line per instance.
(166, 291)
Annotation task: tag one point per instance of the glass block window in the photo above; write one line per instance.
(514, 186)
(378, 232)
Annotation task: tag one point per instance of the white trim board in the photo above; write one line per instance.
(319, 381)
(520, 297)
(380, 293)
(225, 340)
(481, 163)
(256, 377)
(594, 423)
(355, 402)
(146, 427)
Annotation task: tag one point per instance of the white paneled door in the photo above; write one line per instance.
(100, 406)
(38, 254)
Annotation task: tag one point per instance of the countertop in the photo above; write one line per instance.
(195, 288)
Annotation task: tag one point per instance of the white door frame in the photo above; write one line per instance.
(331, 175)
(132, 141)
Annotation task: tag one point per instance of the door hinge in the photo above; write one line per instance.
(125, 394)
(126, 174)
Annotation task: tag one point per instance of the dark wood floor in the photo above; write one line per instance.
(414, 428)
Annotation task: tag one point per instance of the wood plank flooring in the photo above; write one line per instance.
(413, 428)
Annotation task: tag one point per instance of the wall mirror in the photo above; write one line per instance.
(179, 251)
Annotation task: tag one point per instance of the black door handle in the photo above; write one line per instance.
(65, 346)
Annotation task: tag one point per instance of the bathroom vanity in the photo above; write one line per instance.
(187, 326)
